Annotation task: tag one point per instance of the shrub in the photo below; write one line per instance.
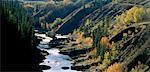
(105, 41)
(88, 41)
(133, 15)
(93, 52)
(116, 67)
(79, 36)
(106, 60)
(56, 22)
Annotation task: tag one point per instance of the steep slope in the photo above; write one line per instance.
(120, 34)
(73, 20)
(18, 43)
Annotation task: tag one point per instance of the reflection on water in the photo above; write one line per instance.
(57, 62)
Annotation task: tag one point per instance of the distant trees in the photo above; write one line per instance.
(18, 16)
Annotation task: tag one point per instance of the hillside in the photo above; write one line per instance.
(18, 51)
(120, 34)
(76, 35)
(114, 32)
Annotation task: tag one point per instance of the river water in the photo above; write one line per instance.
(55, 60)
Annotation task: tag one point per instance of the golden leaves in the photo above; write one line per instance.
(66, 1)
(88, 41)
(94, 51)
(80, 39)
(133, 15)
(116, 67)
(79, 36)
(105, 42)
(106, 60)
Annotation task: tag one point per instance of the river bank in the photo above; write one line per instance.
(54, 61)
(64, 54)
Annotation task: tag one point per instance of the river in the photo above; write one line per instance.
(54, 59)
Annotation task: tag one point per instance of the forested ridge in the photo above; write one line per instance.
(18, 42)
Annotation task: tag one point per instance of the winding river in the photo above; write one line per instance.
(55, 60)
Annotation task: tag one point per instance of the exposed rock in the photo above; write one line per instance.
(44, 67)
(65, 68)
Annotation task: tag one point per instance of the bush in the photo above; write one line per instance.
(133, 15)
(56, 22)
(79, 36)
(104, 41)
(88, 41)
(106, 60)
(116, 67)
(98, 33)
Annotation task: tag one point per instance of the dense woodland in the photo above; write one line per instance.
(18, 42)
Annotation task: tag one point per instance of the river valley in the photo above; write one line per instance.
(58, 62)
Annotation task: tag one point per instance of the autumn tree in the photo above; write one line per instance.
(116, 67)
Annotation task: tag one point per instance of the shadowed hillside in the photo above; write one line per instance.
(18, 43)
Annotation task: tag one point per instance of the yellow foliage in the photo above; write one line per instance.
(81, 39)
(94, 51)
(134, 14)
(106, 60)
(114, 52)
(79, 36)
(110, 55)
(116, 67)
(105, 42)
(67, 1)
(88, 41)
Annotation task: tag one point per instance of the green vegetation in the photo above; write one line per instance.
(123, 29)
(55, 23)
(111, 40)
(132, 16)
(17, 38)
(18, 17)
